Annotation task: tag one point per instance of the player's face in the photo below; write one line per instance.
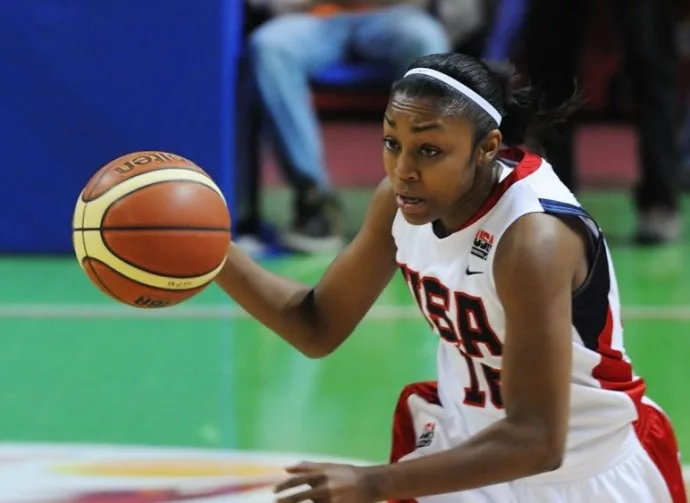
(428, 158)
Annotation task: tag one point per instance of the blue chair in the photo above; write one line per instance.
(353, 75)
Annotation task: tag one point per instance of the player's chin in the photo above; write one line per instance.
(420, 215)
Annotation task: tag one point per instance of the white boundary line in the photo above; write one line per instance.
(378, 312)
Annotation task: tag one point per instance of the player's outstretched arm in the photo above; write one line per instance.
(316, 320)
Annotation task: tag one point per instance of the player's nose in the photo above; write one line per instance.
(405, 169)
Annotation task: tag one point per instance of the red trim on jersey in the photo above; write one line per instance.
(653, 429)
(655, 433)
(404, 436)
(613, 372)
(529, 163)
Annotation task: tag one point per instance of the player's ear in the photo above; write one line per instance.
(489, 146)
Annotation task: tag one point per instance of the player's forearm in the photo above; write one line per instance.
(283, 305)
(501, 453)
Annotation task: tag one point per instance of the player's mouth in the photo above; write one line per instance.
(410, 204)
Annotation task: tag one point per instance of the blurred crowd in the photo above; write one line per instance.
(290, 43)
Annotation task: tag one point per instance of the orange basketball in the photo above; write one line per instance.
(151, 229)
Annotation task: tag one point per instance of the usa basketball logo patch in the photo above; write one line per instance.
(427, 435)
(483, 242)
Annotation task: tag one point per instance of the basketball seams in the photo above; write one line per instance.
(83, 239)
(197, 171)
(181, 290)
(168, 161)
(147, 186)
(156, 273)
(88, 262)
(100, 205)
(87, 197)
(98, 248)
(101, 251)
(132, 228)
(105, 199)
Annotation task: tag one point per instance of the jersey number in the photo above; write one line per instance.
(471, 328)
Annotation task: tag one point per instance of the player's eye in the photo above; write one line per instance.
(429, 151)
(391, 144)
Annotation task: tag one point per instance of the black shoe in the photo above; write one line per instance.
(318, 224)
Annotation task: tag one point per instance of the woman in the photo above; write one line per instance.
(536, 400)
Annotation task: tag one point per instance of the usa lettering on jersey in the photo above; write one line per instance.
(461, 320)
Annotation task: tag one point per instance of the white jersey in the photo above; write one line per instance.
(452, 280)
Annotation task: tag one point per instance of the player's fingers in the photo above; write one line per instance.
(303, 467)
(318, 494)
(295, 482)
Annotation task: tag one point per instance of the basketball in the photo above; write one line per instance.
(151, 229)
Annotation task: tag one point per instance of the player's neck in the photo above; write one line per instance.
(470, 203)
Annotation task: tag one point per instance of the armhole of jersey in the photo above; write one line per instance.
(596, 249)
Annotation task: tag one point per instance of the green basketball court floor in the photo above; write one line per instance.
(76, 368)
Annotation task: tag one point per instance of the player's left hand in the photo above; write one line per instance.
(328, 483)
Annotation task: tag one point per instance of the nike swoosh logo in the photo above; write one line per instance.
(470, 273)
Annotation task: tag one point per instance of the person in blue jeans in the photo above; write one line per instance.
(290, 48)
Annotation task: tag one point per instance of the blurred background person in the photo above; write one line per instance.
(299, 40)
(554, 36)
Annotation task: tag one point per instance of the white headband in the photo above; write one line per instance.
(485, 105)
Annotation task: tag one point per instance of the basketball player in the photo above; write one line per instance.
(536, 400)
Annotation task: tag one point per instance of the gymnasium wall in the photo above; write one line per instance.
(84, 81)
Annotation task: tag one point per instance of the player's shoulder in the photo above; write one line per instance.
(538, 232)
(384, 190)
(539, 208)
(539, 251)
(383, 207)
(383, 200)
(529, 186)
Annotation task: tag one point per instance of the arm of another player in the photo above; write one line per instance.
(538, 262)
(317, 320)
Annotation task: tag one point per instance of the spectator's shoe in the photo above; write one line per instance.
(317, 228)
(657, 226)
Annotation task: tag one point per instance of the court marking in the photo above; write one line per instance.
(81, 472)
(377, 312)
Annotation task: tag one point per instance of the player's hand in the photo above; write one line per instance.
(327, 483)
